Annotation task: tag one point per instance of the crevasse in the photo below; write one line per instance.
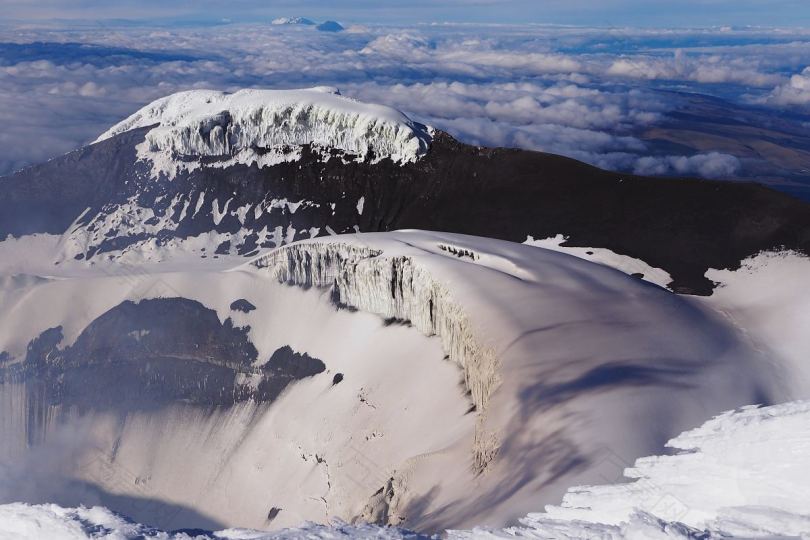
(397, 288)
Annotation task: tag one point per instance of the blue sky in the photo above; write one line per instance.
(608, 13)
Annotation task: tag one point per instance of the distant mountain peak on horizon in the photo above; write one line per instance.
(330, 26)
(292, 21)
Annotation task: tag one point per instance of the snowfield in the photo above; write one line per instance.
(479, 381)
(743, 474)
(626, 264)
(268, 127)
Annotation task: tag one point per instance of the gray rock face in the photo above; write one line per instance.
(152, 353)
(242, 305)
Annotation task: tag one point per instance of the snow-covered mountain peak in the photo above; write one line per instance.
(292, 21)
(268, 127)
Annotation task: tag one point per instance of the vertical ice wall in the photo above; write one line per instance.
(270, 126)
(397, 288)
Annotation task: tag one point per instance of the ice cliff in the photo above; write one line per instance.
(270, 126)
(395, 288)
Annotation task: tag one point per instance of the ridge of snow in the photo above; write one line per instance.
(267, 127)
(623, 263)
(742, 474)
(19, 521)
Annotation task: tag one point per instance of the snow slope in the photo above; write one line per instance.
(626, 264)
(268, 127)
(481, 379)
(742, 474)
(768, 299)
(520, 321)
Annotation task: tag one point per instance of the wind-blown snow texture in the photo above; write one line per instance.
(743, 474)
(269, 126)
(52, 522)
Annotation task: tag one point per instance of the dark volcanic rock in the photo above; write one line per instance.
(684, 226)
(154, 352)
(284, 367)
(242, 305)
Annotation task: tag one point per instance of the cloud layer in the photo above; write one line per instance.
(592, 94)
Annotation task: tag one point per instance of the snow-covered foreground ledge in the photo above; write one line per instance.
(268, 127)
(743, 474)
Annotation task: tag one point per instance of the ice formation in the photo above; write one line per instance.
(268, 127)
(397, 288)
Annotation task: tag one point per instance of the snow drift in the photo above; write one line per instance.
(742, 474)
(270, 126)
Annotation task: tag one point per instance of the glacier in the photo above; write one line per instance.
(434, 283)
(468, 381)
(207, 127)
(396, 288)
(744, 474)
